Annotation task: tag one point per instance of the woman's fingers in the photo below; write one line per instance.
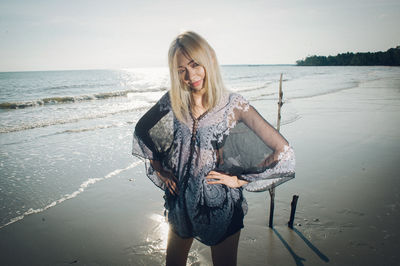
(171, 191)
(174, 179)
(214, 182)
(220, 178)
(172, 187)
(170, 181)
(216, 175)
(215, 178)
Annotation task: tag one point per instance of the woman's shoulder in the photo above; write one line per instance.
(231, 101)
(237, 100)
(235, 95)
(165, 102)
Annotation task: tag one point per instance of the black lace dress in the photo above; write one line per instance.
(232, 138)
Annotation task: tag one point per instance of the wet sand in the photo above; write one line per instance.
(347, 148)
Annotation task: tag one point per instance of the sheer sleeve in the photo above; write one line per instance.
(280, 165)
(153, 137)
(254, 150)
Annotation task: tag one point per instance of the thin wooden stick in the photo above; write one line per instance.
(280, 103)
(272, 190)
(293, 210)
(271, 207)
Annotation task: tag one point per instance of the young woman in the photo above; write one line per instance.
(203, 145)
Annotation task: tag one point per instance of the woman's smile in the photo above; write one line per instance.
(196, 84)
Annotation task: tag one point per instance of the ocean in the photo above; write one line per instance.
(61, 132)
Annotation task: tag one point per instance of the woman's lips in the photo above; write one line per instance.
(197, 83)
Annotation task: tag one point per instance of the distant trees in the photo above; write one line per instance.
(389, 58)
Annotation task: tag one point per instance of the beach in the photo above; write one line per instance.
(102, 209)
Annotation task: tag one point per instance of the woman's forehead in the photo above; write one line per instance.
(183, 59)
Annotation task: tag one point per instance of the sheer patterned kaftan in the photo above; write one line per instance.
(232, 138)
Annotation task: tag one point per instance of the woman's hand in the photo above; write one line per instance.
(170, 181)
(231, 181)
(166, 176)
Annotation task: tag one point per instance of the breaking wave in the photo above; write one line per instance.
(72, 99)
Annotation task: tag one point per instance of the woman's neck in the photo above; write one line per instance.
(197, 99)
(197, 107)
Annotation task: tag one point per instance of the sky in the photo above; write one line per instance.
(99, 34)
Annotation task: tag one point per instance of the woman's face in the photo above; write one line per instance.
(191, 73)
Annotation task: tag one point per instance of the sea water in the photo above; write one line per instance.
(63, 131)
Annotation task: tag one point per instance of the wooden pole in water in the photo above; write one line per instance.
(293, 210)
(271, 207)
(280, 103)
(278, 125)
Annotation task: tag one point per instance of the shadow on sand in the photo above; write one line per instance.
(299, 260)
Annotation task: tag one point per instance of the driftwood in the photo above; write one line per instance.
(271, 207)
(272, 190)
(280, 103)
(278, 125)
(293, 210)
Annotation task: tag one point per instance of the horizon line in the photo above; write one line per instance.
(122, 68)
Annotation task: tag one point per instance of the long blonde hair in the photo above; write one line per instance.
(196, 48)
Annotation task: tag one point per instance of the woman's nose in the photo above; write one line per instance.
(189, 74)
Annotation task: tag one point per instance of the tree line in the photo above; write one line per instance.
(389, 58)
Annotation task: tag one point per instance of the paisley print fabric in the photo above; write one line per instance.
(232, 138)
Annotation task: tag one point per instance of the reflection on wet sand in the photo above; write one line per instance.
(159, 235)
(152, 250)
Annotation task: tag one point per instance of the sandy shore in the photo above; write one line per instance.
(347, 147)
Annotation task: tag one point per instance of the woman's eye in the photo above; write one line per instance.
(195, 64)
(180, 71)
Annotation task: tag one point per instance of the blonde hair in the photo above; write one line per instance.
(193, 46)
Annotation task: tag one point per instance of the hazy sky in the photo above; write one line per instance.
(55, 34)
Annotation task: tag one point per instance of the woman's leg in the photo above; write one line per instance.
(177, 249)
(225, 253)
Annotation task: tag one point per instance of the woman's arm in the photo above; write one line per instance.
(263, 153)
(266, 132)
(145, 123)
(146, 141)
(280, 164)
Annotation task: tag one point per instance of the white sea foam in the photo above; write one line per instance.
(76, 98)
(72, 195)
